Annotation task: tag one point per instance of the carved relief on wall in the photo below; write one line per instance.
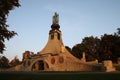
(53, 60)
(61, 59)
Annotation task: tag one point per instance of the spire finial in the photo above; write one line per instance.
(55, 18)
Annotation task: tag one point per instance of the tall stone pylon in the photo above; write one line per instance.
(55, 44)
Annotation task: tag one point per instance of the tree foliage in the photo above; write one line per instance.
(118, 32)
(68, 48)
(5, 7)
(15, 62)
(4, 62)
(77, 50)
(105, 48)
(90, 46)
(110, 46)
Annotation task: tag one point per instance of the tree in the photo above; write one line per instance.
(4, 62)
(116, 47)
(109, 47)
(5, 7)
(77, 50)
(118, 31)
(15, 61)
(90, 46)
(68, 48)
(105, 48)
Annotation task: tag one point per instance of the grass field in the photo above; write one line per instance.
(59, 75)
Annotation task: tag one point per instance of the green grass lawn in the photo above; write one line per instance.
(59, 75)
(118, 68)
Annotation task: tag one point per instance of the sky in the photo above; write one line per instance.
(77, 18)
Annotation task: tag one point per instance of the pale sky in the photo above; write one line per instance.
(77, 19)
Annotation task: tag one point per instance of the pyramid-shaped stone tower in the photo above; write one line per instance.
(54, 56)
(55, 44)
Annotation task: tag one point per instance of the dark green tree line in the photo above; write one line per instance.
(105, 48)
(90, 46)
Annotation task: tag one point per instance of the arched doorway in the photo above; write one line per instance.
(39, 66)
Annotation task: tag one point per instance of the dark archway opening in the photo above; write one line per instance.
(38, 66)
(41, 65)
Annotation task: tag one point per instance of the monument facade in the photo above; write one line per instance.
(55, 57)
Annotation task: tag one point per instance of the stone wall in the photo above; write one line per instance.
(108, 65)
(71, 65)
(58, 63)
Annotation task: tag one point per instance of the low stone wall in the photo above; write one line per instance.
(71, 65)
(85, 67)
(92, 62)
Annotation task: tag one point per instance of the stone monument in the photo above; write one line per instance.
(54, 56)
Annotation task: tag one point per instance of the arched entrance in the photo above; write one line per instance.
(39, 65)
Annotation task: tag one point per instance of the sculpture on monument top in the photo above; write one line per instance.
(55, 18)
